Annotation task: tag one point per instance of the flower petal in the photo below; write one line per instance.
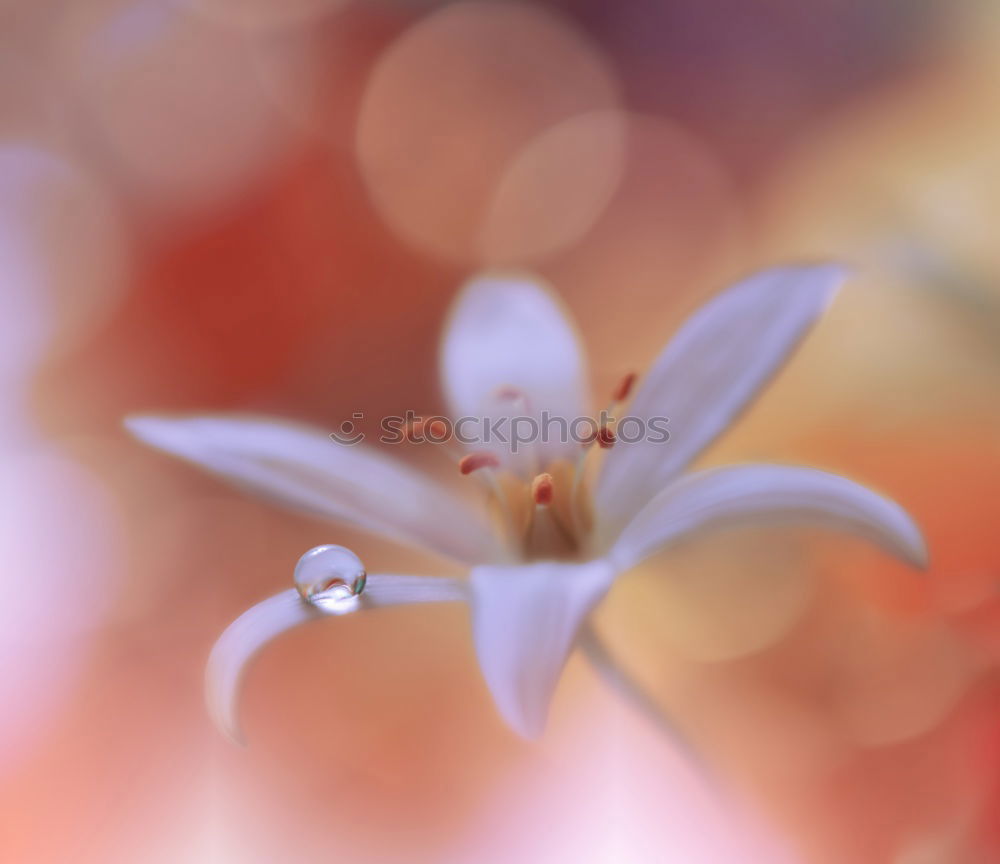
(305, 469)
(270, 618)
(524, 621)
(725, 496)
(509, 335)
(708, 372)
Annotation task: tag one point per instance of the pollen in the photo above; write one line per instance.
(624, 388)
(475, 461)
(542, 490)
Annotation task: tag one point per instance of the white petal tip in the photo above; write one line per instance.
(527, 722)
(524, 622)
(223, 718)
(237, 646)
(838, 274)
(839, 270)
(829, 278)
(917, 553)
(158, 432)
(718, 497)
(527, 730)
(822, 279)
(221, 701)
(905, 540)
(138, 424)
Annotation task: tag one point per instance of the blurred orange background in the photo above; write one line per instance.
(267, 206)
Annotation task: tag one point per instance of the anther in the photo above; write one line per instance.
(421, 430)
(542, 490)
(414, 430)
(437, 430)
(509, 394)
(606, 438)
(624, 388)
(475, 461)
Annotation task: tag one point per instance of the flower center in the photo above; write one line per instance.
(548, 516)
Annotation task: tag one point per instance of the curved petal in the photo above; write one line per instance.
(270, 618)
(524, 622)
(304, 468)
(508, 350)
(726, 496)
(709, 371)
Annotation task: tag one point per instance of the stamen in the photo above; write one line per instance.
(437, 430)
(421, 429)
(414, 430)
(547, 533)
(475, 461)
(606, 438)
(624, 388)
(576, 517)
(509, 394)
(542, 490)
(518, 401)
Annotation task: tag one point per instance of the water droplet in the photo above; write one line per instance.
(331, 578)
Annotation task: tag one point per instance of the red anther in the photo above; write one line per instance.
(414, 430)
(437, 430)
(510, 394)
(474, 461)
(624, 388)
(542, 490)
(606, 438)
(422, 430)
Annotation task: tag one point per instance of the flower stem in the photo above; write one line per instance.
(597, 653)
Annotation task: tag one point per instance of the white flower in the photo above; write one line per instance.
(542, 553)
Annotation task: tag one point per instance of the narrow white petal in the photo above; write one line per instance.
(524, 622)
(388, 589)
(260, 624)
(712, 368)
(511, 333)
(304, 468)
(726, 496)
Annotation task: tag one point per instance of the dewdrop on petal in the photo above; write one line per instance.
(331, 578)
